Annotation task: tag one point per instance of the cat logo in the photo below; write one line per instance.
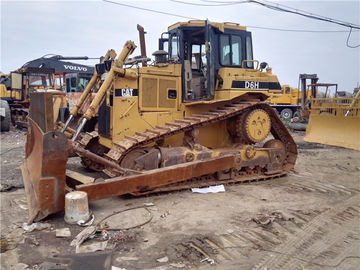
(126, 92)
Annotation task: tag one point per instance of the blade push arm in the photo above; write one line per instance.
(111, 54)
(116, 68)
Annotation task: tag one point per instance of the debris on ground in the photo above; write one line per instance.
(263, 219)
(104, 235)
(117, 268)
(211, 189)
(149, 204)
(82, 236)
(209, 260)
(163, 259)
(63, 232)
(19, 266)
(178, 265)
(35, 226)
(89, 222)
(164, 215)
(77, 208)
(4, 187)
(266, 219)
(123, 236)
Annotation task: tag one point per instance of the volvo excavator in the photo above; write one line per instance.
(47, 73)
(194, 117)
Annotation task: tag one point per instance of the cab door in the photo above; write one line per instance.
(210, 63)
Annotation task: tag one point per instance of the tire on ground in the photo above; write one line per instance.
(6, 119)
(286, 114)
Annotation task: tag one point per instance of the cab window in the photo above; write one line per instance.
(73, 82)
(249, 53)
(43, 80)
(225, 50)
(68, 85)
(174, 53)
(236, 50)
(165, 46)
(82, 84)
(230, 50)
(198, 57)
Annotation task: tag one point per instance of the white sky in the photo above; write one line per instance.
(31, 29)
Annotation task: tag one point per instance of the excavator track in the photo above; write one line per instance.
(234, 109)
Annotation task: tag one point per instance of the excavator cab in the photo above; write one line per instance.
(76, 82)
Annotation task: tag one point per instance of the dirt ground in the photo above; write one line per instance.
(306, 220)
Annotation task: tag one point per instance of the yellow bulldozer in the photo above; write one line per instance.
(335, 121)
(194, 117)
(15, 90)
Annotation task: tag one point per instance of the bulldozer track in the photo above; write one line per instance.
(178, 126)
(129, 143)
(234, 109)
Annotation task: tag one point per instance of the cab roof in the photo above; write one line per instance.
(199, 23)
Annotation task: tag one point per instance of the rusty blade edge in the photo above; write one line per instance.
(157, 177)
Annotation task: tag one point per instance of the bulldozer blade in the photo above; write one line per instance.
(43, 171)
(337, 130)
(157, 177)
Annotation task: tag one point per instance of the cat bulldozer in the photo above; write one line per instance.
(194, 117)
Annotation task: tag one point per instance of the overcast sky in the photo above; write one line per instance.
(31, 29)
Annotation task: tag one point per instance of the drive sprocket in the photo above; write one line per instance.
(250, 127)
(257, 125)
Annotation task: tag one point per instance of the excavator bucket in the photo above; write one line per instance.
(335, 121)
(43, 171)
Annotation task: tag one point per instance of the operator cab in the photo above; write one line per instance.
(31, 79)
(76, 82)
(203, 48)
